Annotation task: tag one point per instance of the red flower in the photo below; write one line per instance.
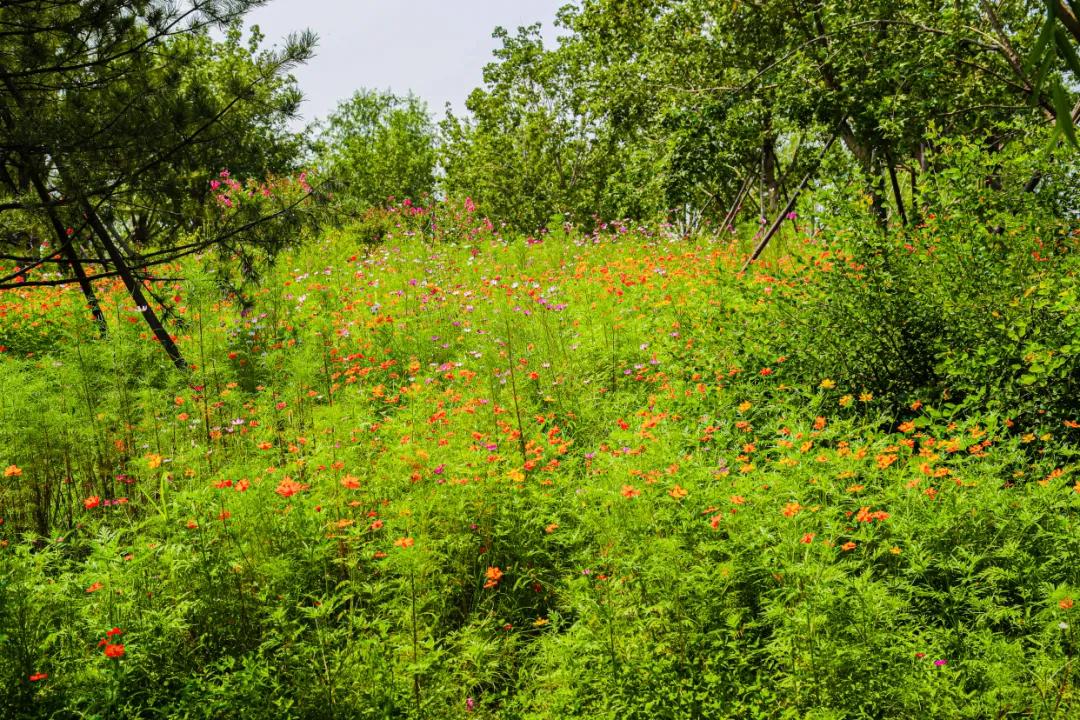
(114, 651)
(91, 502)
(289, 487)
(39, 676)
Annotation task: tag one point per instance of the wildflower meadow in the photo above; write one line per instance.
(559, 476)
(707, 361)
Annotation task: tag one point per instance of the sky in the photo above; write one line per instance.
(435, 48)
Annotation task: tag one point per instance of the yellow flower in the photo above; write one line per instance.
(846, 400)
(827, 384)
(866, 396)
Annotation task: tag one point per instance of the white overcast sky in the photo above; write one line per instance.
(436, 49)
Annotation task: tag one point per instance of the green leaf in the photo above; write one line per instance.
(1039, 53)
(1063, 110)
(1066, 51)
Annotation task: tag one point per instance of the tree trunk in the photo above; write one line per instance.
(68, 249)
(897, 196)
(134, 286)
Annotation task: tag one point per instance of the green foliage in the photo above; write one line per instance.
(376, 147)
(450, 473)
(971, 306)
(528, 149)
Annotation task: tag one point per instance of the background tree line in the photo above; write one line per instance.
(116, 114)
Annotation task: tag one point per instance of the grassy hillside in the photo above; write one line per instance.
(567, 476)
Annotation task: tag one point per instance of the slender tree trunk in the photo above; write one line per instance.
(68, 249)
(134, 286)
(729, 218)
(916, 214)
(897, 196)
(770, 185)
(790, 204)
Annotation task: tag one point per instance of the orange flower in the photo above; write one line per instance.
(678, 492)
(906, 427)
(494, 575)
(551, 528)
(848, 546)
(224, 515)
(792, 509)
(350, 483)
(94, 588)
(264, 445)
(91, 502)
(807, 538)
(404, 542)
(12, 471)
(153, 460)
(630, 492)
(1065, 603)
(289, 487)
(377, 525)
(819, 423)
(884, 460)
(738, 500)
(192, 525)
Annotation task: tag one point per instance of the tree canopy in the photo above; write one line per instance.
(114, 115)
(375, 146)
(695, 109)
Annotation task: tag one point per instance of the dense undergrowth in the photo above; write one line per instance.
(450, 475)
